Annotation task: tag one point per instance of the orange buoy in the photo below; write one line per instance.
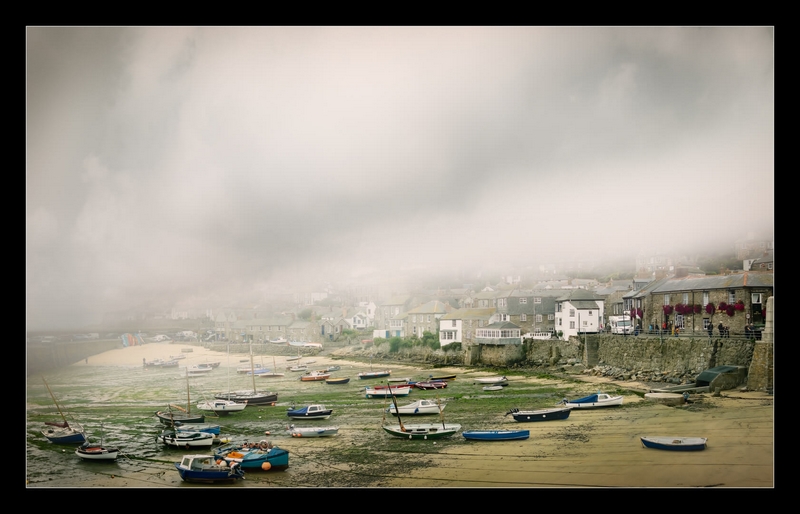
(266, 466)
(273, 404)
(266, 433)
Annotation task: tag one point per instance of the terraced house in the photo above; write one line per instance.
(459, 325)
(425, 318)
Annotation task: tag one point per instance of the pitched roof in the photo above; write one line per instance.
(574, 295)
(432, 307)
(734, 281)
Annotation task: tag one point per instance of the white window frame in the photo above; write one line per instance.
(731, 296)
(523, 317)
(572, 313)
(666, 299)
(523, 301)
(757, 298)
(536, 299)
(572, 325)
(705, 298)
(686, 298)
(550, 317)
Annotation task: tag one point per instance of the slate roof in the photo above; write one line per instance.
(733, 281)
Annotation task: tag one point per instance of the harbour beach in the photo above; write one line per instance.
(592, 448)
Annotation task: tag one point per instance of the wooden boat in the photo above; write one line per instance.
(97, 452)
(496, 435)
(337, 380)
(311, 431)
(593, 401)
(186, 439)
(63, 432)
(490, 380)
(365, 375)
(374, 392)
(315, 376)
(418, 408)
(261, 455)
(204, 469)
(310, 412)
(431, 384)
(540, 414)
(679, 444)
(222, 406)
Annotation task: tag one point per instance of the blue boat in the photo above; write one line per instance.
(210, 428)
(496, 435)
(678, 444)
(310, 412)
(540, 414)
(260, 455)
(204, 469)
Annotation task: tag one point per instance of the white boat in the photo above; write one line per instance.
(195, 371)
(493, 388)
(385, 392)
(301, 367)
(91, 451)
(491, 380)
(418, 408)
(186, 439)
(593, 401)
(222, 406)
(311, 431)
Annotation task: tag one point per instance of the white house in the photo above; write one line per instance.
(460, 325)
(578, 311)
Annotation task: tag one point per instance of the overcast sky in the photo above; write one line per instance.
(175, 162)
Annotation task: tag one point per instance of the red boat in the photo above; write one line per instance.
(431, 384)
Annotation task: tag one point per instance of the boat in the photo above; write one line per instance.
(294, 358)
(63, 432)
(196, 371)
(496, 435)
(172, 363)
(679, 444)
(176, 357)
(204, 469)
(253, 397)
(443, 377)
(364, 375)
(311, 431)
(298, 368)
(247, 370)
(491, 380)
(310, 412)
(431, 384)
(98, 452)
(331, 369)
(169, 416)
(278, 340)
(260, 455)
(422, 431)
(186, 439)
(417, 408)
(211, 428)
(337, 380)
(314, 376)
(222, 406)
(593, 401)
(540, 414)
(376, 392)
(271, 374)
(493, 388)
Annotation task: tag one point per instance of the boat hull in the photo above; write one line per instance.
(64, 436)
(525, 416)
(496, 435)
(366, 375)
(387, 393)
(594, 401)
(167, 418)
(312, 432)
(423, 432)
(97, 452)
(336, 381)
(187, 440)
(675, 444)
(255, 458)
(250, 398)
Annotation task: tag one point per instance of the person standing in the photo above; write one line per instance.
(710, 329)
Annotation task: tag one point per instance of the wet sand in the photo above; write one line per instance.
(593, 448)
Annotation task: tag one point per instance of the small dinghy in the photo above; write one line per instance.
(496, 435)
(679, 444)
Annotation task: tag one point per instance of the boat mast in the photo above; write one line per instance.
(54, 401)
(396, 410)
(441, 414)
(252, 369)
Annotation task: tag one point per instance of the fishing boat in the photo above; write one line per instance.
(204, 469)
(97, 452)
(311, 431)
(337, 380)
(376, 392)
(540, 414)
(417, 408)
(315, 376)
(593, 401)
(310, 412)
(198, 370)
(261, 455)
(169, 416)
(679, 444)
(222, 406)
(63, 432)
(491, 380)
(496, 435)
(422, 431)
